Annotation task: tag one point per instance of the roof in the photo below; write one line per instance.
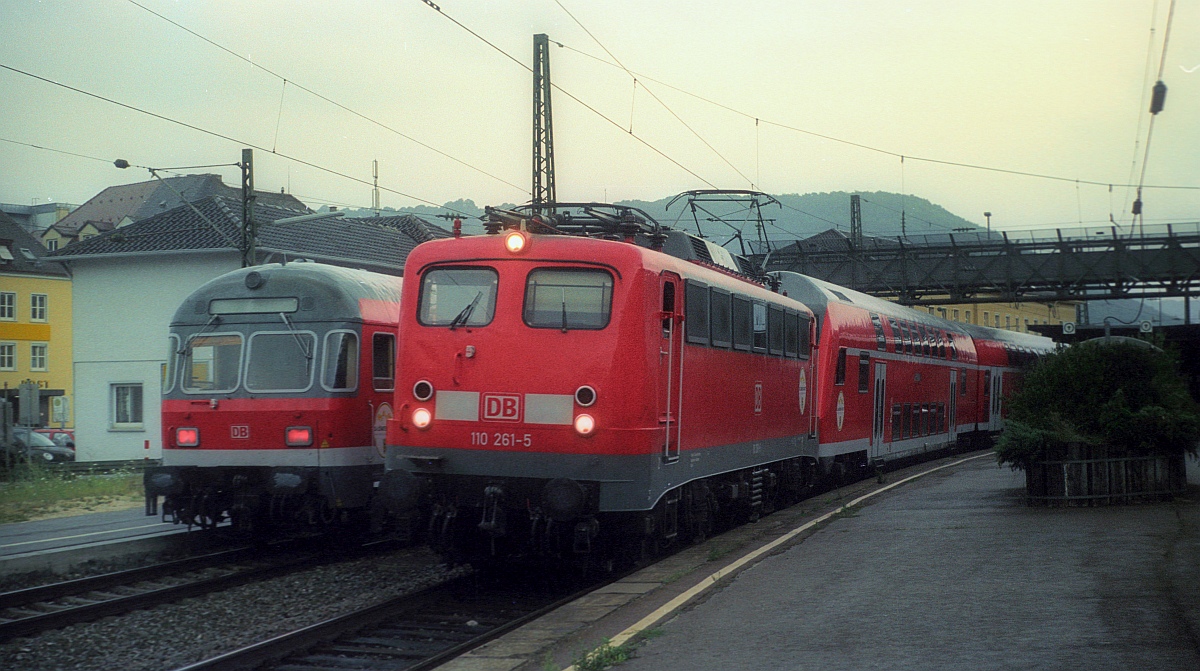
(28, 254)
(146, 199)
(373, 243)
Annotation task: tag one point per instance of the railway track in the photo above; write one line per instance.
(29, 611)
(411, 633)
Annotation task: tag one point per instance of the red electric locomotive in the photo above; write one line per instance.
(895, 382)
(276, 396)
(591, 394)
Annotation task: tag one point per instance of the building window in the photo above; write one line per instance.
(967, 316)
(52, 244)
(956, 314)
(8, 305)
(37, 307)
(126, 406)
(1007, 321)
(997, 315)
(37, 356)
(8, 356)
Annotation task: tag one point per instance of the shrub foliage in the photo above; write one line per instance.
(1126, 397)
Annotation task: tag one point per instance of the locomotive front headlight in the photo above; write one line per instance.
(584, 424)
(515, 242)
(298, 436)
(421, 418)
(187, 437)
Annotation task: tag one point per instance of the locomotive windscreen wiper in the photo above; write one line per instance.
(466, 312)
(187, 346)
(300, 343)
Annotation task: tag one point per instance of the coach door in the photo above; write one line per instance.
(952, 408)
(879, 413)
(670, 402)
(997, 388)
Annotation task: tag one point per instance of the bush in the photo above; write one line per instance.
(1128, 397)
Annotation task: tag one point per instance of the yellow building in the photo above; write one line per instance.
(1010, 316)
(35, 324)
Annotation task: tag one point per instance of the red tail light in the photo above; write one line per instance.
(187, 437)
(299, 436)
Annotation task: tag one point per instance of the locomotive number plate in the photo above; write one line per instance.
(500, 439)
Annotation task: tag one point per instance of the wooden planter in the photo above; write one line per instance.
(1090, 477)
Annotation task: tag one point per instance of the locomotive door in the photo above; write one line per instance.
(879, 414)
(670, 402)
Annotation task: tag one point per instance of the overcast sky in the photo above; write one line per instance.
(840, 91)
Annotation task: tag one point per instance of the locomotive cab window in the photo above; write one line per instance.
(456, 297)
(171, 370)
(568, 298)
(211, 363)
(383, 361)
(340, 370)
(280, 361)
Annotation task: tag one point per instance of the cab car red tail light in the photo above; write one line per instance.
(187, 437)
(298, 436)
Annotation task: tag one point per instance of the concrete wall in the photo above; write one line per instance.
(122, 310)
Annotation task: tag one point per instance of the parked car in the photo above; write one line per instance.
(35, 446)
(61, 437)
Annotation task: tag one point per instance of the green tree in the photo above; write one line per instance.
(1127, 396)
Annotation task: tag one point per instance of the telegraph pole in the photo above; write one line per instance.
(249, 230)
(543, 128)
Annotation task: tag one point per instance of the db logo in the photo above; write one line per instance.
(239, 432)
(501, 407)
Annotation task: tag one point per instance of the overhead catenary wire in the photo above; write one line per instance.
(321, 96)
(222, 136)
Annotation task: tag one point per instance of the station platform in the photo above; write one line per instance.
(951, 570)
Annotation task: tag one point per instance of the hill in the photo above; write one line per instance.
(797, 216)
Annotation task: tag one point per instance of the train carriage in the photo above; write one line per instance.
(278, 387)
(565, 395)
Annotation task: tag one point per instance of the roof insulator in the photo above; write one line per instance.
(1160, 97)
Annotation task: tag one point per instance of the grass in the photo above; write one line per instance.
(603, 657)
(34, 491)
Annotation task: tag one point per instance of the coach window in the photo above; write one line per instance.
(840, 373)
(897, 346)
(340, 370)
(172, 367)
(864, 370)
(916, 420)
(906, 420)
(383, 361)
(896, 421)
(987, 383)
(743, 324)
(941, 344)
(962, 382)
(721, 318)
(697, 313)
(760, 327)
(211, 362)
(562, 298)
(927, 336)
(456, 297)
(880, 340)
(280, 361)
(776, 328)
(951, 346)
(905, 346)
(791, 336)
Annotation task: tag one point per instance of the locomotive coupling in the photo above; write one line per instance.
(400, 491)
(162, 482)
(564, 499)
(288, 481)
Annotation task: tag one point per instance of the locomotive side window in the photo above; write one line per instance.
(668, 307)
(722, 318)
(458, 297)
(791, 344)
(211, 363)
(839, 375)
(280, 361)
(775, 329)
(697, 313)
(565, 299)
(383, 361)
(805, 333)
(340, 371)
(760, 327)
(743, 324)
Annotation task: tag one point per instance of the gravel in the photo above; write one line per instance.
(175, 635)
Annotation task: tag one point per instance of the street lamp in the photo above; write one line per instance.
(988, 216)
